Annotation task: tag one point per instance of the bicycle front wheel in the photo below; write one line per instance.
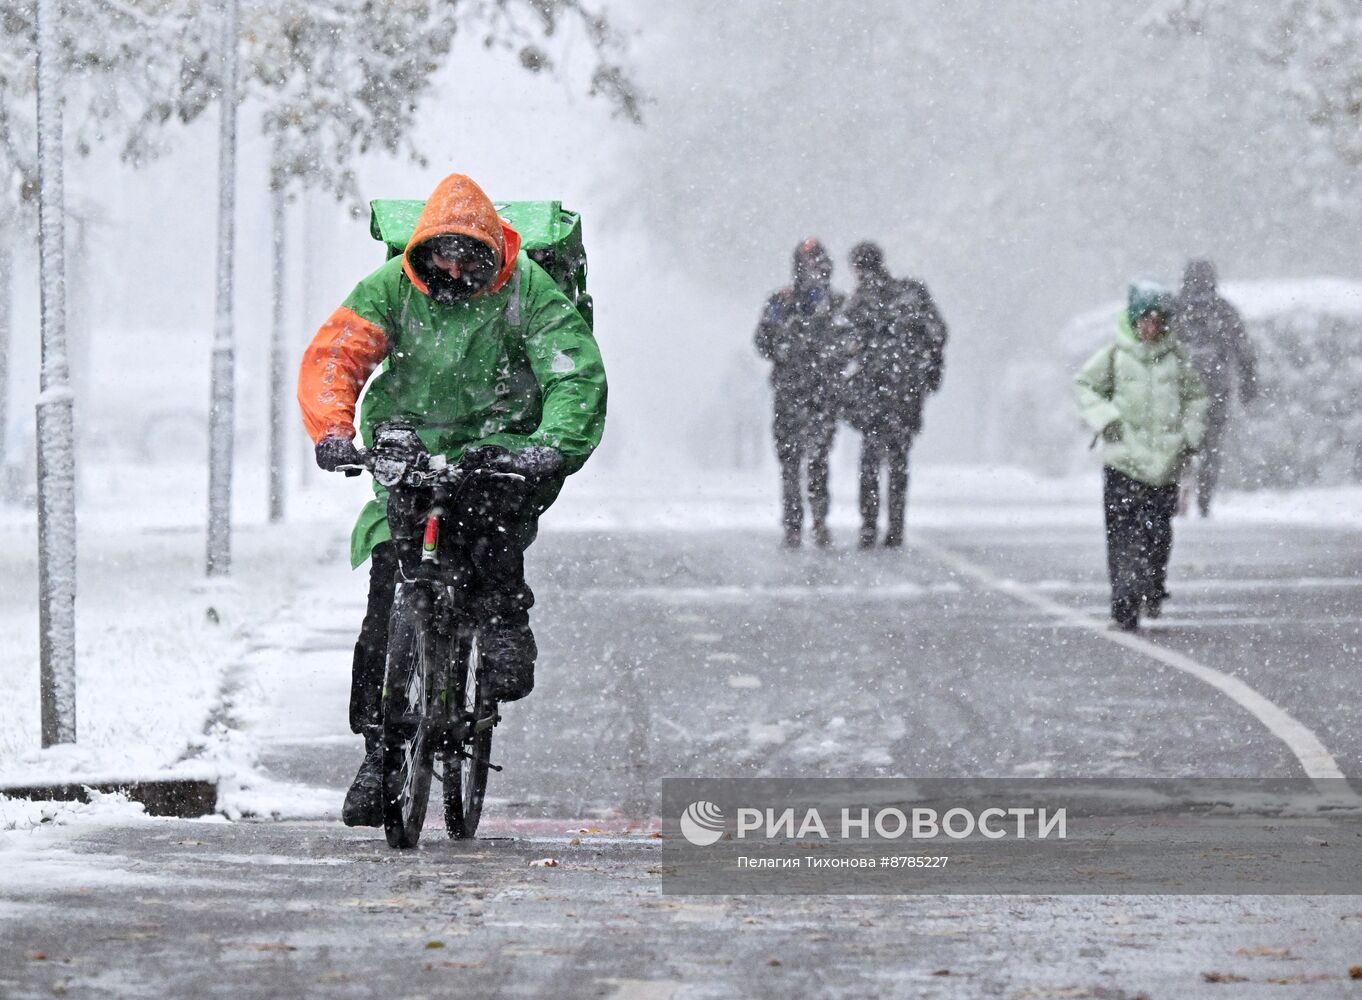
(415, 649)
(466, 765)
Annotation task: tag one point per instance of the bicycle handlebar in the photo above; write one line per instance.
(437, 471)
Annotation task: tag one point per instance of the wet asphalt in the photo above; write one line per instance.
(714, 653)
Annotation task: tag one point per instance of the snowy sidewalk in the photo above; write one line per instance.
(284, 747)
(157, 644)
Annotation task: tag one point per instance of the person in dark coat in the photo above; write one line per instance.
(900, 341)
(1212, 332)
(803, 334)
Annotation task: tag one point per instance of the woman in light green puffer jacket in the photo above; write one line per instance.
(1142, 396)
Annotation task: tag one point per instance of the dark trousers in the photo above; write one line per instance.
(1211, 457)
(877, 451)
(371, 651)
(1139, 540)
(800, 444)
(493, 529)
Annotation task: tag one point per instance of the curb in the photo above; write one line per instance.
(185, 798)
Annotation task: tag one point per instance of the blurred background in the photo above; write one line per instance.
(1024, 160)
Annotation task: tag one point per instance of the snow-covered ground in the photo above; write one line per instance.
(667, 651)
(166, 659)
(155, 638)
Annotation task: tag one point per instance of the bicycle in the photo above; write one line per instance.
(434, 704)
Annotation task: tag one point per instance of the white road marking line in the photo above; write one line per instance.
(1318, 764)
(1185, 620)
(1211, 585)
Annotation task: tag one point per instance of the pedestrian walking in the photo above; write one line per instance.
(1212, 332)
(1143, 398)
(802, 333)
(899, 343)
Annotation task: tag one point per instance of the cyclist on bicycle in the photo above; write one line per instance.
(495, 367)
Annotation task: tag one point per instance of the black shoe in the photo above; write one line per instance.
(821, 536)
(893, 540)
(1125, 614)
(792, 538)
(867, 539)
(364, 802)
(1153, 605)
(508, 651)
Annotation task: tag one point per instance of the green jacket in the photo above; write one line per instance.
(487, 371)
(1147, 403)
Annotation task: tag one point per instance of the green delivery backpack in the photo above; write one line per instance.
(550, 234)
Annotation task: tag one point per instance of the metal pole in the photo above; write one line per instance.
(278, 388)
(56, 425)
(222, 406)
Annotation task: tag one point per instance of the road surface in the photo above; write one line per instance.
(714, 653)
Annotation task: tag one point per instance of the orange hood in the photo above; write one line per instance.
(460, 208)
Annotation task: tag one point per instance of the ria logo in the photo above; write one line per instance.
(702, 823)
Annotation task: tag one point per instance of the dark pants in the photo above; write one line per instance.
(876, 451)
(1211, 457)
(803, 439)
(494, 529)
(1139, 540)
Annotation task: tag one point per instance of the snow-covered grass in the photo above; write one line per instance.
(154, 637)
(1325, 507)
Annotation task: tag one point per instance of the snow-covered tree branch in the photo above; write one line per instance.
(1313, 46)
(345, 78)
(336, 79)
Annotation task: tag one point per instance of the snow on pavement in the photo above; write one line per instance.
(180, 675)
(651, 665)
(155, 639)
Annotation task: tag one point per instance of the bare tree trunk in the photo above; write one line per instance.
(78, 346)
(56, 444)
(307, 282)
(6, 324)
(278, 385)
(222, 406)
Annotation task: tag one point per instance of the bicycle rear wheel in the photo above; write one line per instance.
(466, 765)
(415, 649)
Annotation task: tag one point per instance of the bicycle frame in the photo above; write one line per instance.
(433, 703)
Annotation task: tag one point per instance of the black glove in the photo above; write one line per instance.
(334, 451)
(536, 463)
(488, 456)
(539, 464)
